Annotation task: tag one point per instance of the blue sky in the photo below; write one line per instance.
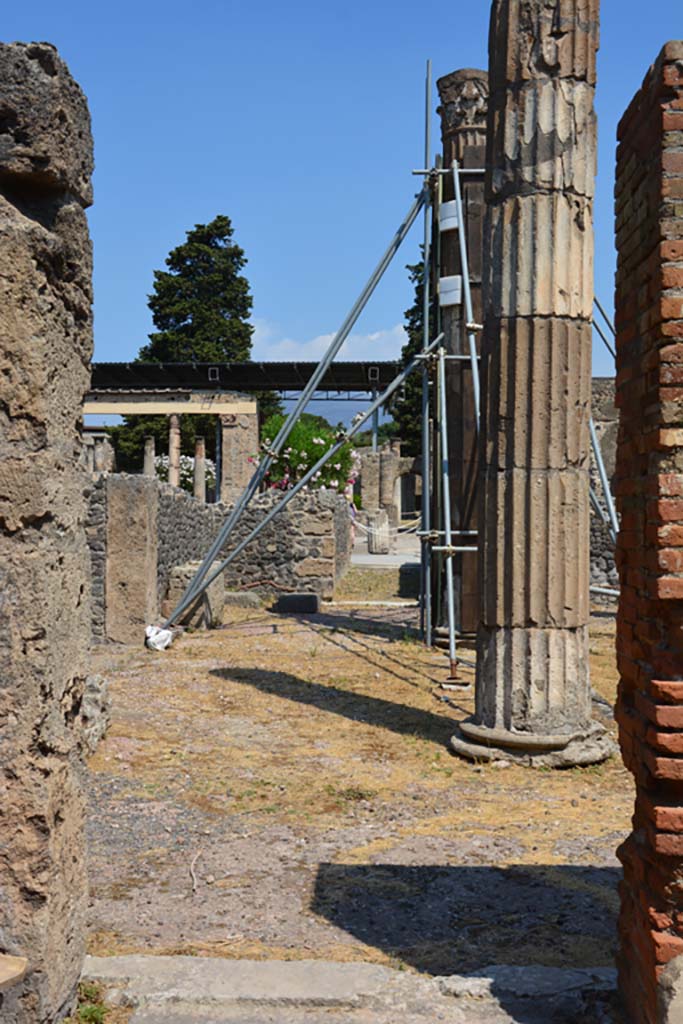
(302, 122)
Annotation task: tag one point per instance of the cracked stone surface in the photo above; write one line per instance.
(45, 349)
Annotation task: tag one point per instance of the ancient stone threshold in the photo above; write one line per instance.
(175, 989)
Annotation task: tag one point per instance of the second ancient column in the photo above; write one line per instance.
(533, 690)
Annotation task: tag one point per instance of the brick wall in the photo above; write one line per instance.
(649, 475)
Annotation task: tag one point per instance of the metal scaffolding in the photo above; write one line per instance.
(440, 541)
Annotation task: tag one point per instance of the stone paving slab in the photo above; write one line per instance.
(198, 990)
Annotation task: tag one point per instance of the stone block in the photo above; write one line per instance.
(297, 604)
(241, 599)
(206, 612)
(95, 712)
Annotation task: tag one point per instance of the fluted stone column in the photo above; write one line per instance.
(148, 466)
(533, 697)
(464, 103)
(200, 469)
(174, 449)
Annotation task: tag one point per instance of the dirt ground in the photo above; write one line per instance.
(282, 788)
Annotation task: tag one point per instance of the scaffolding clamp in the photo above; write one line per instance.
(474, 327)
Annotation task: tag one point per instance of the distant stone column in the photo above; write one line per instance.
(45, 350)
(99, 460)
(464, 103)
(174, 449)
(149, 465)
(239, 441)
(200, 469)
(533, 700)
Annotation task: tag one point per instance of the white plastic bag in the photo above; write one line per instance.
(158, 639)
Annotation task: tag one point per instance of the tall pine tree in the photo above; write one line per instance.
(200, 308)
(406, 408)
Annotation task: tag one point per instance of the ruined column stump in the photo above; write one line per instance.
(174, 449)
(199, 476)
(533, 700)
(45, 351)
(149, 464)
(649, 486)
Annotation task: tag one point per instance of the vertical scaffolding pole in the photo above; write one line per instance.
(467, 293)
(426, 574)
(375, 422)
(446, 499)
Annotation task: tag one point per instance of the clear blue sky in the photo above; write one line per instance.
(302, 122)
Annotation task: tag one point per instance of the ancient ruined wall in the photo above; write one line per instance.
(307, 548)
(45, 349)
(649, 299)
(96, 531)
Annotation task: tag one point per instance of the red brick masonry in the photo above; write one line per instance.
(649, 312)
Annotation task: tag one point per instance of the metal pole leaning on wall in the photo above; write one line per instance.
(305, 396)
(188, 598)
(446, 498)
(607, 493)
(426, 559)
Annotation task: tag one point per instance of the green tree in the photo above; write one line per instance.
(200, 308)
(406, 407)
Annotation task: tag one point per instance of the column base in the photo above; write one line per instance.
(534, 750)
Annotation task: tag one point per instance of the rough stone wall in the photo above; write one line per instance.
(649, 318)
(96, 531)
(308, 547)
(45, 350)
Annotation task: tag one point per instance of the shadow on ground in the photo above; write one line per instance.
(457, 919)
(357, 707)
(461, 919)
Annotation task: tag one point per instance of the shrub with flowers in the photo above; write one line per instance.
(307, 442)
(186, 471)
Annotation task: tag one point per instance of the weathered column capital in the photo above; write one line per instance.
(464, 98)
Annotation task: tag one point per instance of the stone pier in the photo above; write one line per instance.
(45, 350)
(174, 450)
(464, 103)
(149, 465)
(533, 700)
(239, 441)
(200, 469)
